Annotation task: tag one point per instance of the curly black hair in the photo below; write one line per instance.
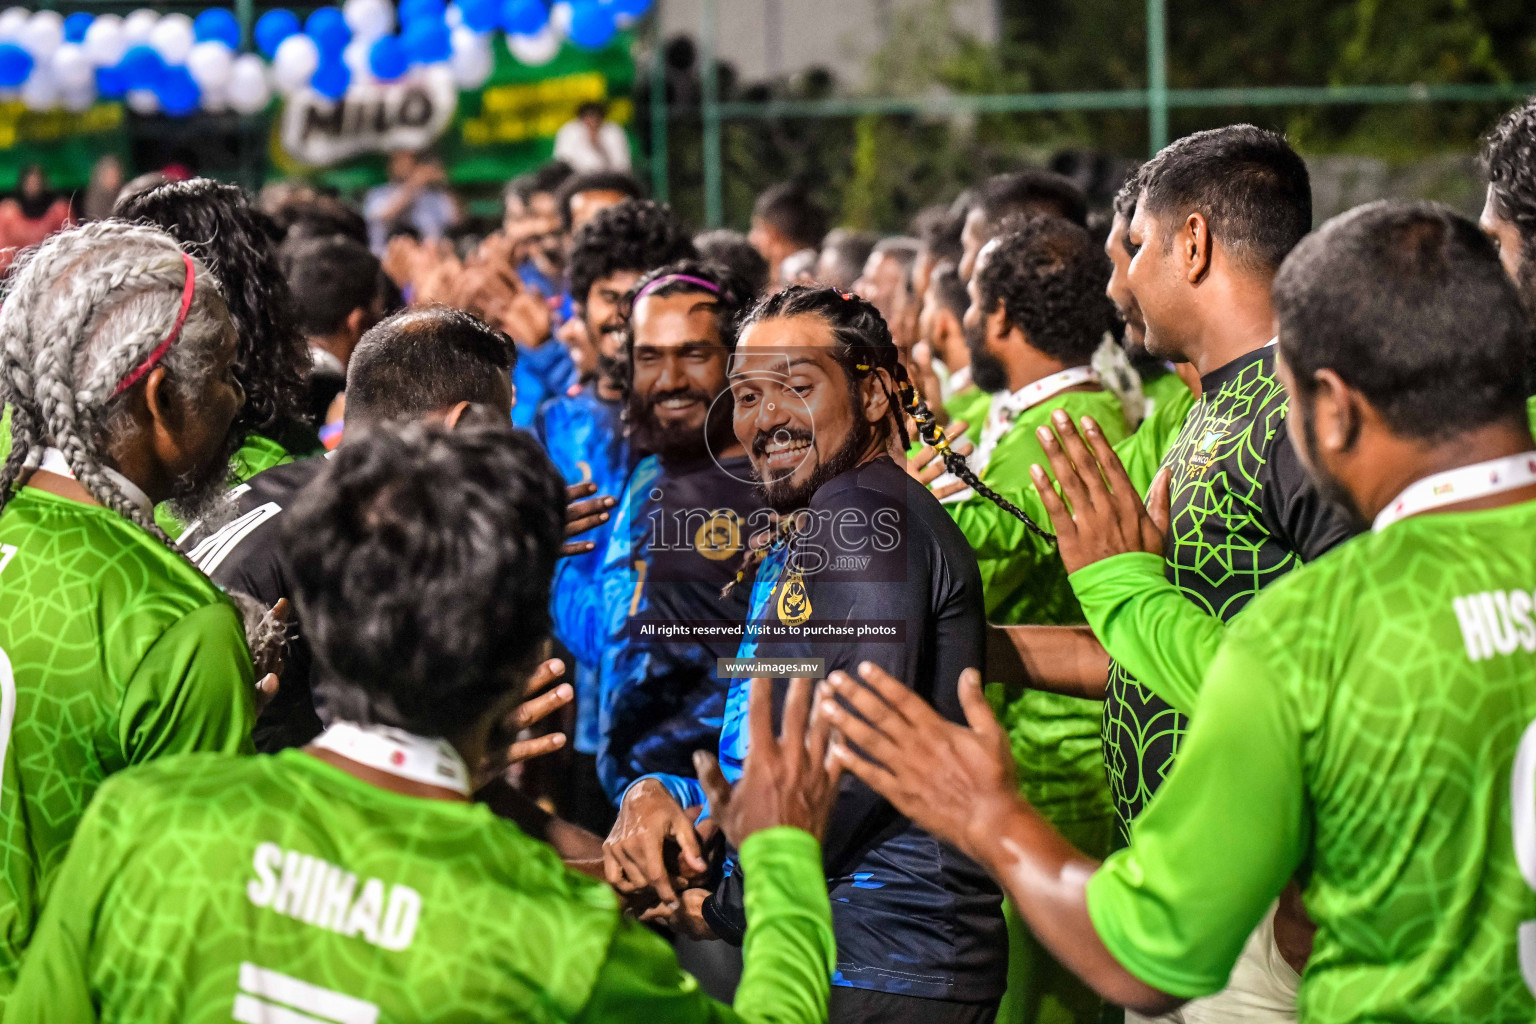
(421, 561)
(1049, 277)
(1509, 156)
(218, 224)
(864, 346)
(637, 234)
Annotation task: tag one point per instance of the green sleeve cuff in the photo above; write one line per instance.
(1115, 571)
(1112, 896)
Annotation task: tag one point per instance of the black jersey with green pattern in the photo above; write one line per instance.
(1242, 513)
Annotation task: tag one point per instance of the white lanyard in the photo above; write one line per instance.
(432, 762)
(1461, 484)
(1005, 408)
(55, 462)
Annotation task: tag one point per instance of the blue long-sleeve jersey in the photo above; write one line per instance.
(678, 538)
(881, 573)
(542, 373)
(584, 438)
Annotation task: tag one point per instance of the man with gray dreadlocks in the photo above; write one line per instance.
(117, 367)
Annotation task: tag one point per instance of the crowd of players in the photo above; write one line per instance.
(892, 611)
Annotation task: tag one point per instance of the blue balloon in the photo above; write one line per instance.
(591, 25)
(480, 15)
(75, 27)
(216, 25)
(387, 59)
(272, 28)
(411, 11)
(142, 67)
(328, 28)
(177, 92)
(427, 42)
(630, 8)
(15, 65)
(111, 83)
(332, 78)
(524, 17)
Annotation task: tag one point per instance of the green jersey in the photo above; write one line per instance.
(1362, 725)
(256, 454)
(280, 888)
(1055, 738)
(969, 405)
(113, 651)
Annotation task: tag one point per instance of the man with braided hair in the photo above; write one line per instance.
(868, 568)
(237, 243)
(118, 366)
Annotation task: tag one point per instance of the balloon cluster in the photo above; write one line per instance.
(176, 65)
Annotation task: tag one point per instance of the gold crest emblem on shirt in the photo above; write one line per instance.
(1205, 449)
(719, 537)
(794, 602)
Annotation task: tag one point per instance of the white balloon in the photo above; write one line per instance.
(172, 38)
(143, 101)
(369, 19)
(137, 27)
(105, 42)
(560, 17)
(43, 34)
(12, 21)
(294, 63)
(537, 49)
(39, 92)
(355, 57)
(453, 16)
(471, 60)
(78, 101)
(72, 68)
(213, 101)
(248, 92)
(210, 65)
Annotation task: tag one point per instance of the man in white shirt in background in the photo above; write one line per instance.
(590, 142)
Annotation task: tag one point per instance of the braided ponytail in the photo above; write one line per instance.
(934, 437)
(80, 312)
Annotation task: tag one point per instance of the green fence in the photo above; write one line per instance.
(1157, 99)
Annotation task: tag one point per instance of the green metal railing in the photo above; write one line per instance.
(1157, 99)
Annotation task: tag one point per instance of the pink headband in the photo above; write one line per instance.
(665, 279)
(138, 372)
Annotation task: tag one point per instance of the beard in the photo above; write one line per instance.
(203, 496)
(987, 371)
(781, 494)
(677, 442)
(1328, 485)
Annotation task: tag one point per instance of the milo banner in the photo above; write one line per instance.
(488, 135)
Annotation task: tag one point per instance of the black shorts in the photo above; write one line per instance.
(866, 1006)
